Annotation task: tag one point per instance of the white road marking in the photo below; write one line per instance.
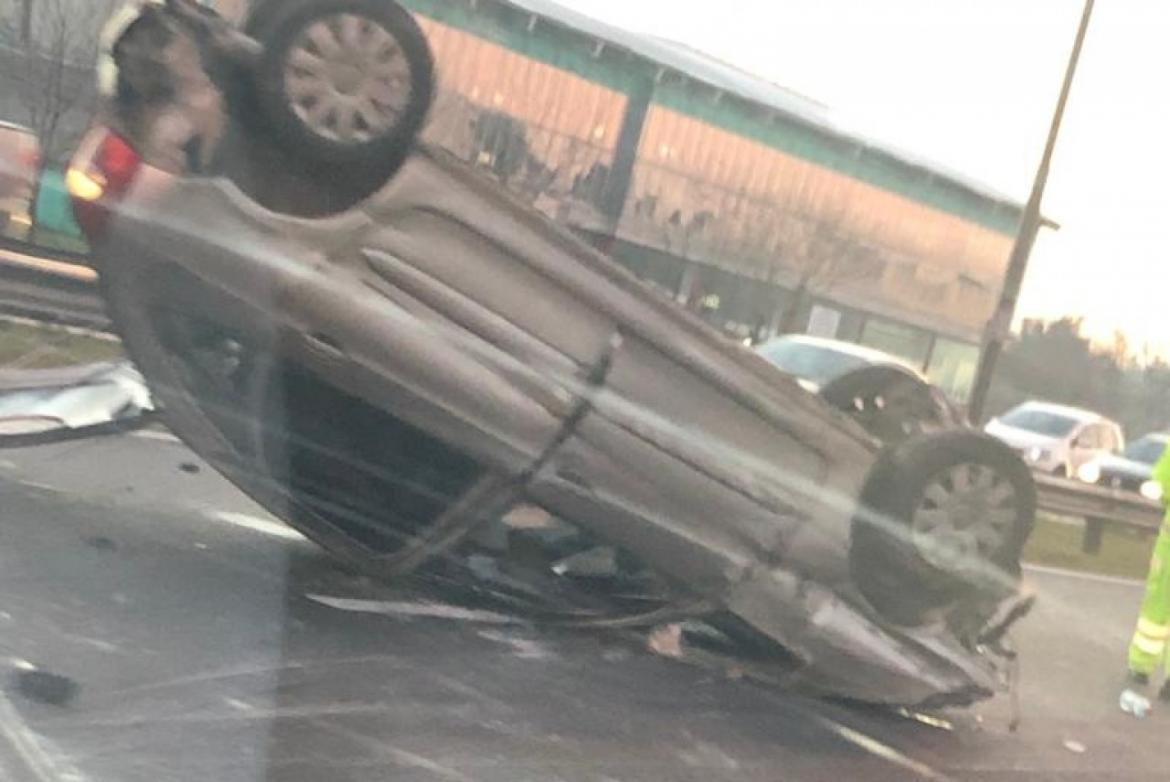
(40, 486)
(413, 610)
(881, 750)
(152, 434)
(244, 521)
(402, 756)
(1082, 576)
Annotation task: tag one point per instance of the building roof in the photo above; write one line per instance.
(720, 75)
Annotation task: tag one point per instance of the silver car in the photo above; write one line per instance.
(393, 357)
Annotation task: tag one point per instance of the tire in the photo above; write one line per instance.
(344, 139)
(947, 517)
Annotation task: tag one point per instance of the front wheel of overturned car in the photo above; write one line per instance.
(946, 517)
(345, 84)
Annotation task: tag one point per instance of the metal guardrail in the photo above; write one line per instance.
(1099, 506)
(50, 289)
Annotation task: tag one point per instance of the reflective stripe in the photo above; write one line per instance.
(1153, 630)
(1148, 645)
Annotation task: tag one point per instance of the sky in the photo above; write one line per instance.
(972, 84)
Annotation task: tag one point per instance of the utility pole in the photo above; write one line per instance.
(999, 327)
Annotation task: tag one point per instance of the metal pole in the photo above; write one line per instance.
(616, 188)
(999, 327)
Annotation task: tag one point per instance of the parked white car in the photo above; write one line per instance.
(1057, 439)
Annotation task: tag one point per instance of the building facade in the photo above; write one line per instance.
(742, 200)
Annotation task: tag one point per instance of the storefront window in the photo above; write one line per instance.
(952, 368)
(904, 342)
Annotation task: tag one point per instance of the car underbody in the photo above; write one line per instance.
(420, 372)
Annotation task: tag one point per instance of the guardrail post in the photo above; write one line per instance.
(1094, 534)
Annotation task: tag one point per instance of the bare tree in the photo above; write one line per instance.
(55, 69)
(819, 249)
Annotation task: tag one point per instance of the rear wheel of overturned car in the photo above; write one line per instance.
(345, 84)
(946, 518)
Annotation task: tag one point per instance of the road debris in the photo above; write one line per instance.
(1135, 704)
(101, 543)
(666, 641)
(44, 687)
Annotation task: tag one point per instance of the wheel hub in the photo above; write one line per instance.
(347, 79)
(964, 519)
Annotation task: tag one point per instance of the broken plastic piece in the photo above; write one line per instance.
(666, 641)
(1135, 703)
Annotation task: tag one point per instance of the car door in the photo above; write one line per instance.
(1086, 445)
(1116, 436)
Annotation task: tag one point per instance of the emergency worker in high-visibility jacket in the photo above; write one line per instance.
(1148, 650)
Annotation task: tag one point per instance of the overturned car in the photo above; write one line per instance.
(393, 355)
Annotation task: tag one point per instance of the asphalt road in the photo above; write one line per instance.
(207, 641)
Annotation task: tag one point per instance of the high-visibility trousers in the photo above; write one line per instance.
(1149, 647)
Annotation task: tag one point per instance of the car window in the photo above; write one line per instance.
(1041, 422)
(810, 362)
(1147, 450)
